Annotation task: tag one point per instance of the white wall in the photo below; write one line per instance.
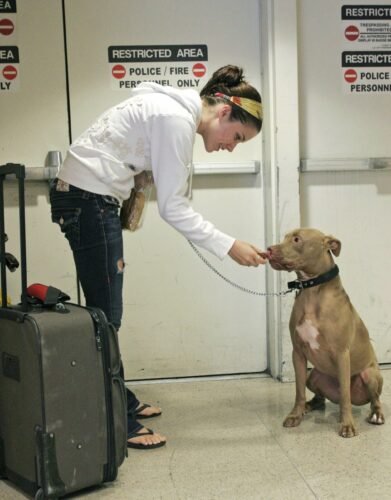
(33, 120)
(311, 116)
(337, 125)
(281, 160)
(180, 318)
(306, 116)
(333, 122)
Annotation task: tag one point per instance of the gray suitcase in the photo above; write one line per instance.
(63, 424)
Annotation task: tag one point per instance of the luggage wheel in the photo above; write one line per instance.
(39, 494)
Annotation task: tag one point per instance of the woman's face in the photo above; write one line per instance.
(219, 133)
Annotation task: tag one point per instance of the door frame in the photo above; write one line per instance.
(281, 160)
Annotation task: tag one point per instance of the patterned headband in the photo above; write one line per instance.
(254, 108)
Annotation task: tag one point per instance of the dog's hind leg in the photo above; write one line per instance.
(316, 403)
(323, 386)
(373, 380)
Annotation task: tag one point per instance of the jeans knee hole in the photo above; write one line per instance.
(120, 266)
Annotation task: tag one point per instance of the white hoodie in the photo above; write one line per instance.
(152, 130)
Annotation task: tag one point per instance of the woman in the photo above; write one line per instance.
(152, 130)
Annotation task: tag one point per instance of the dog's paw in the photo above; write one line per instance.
(348, 431)
(376, 418)
(292, 420)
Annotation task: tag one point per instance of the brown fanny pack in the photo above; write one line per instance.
(133, 208)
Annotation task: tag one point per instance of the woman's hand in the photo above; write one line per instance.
(247, 255)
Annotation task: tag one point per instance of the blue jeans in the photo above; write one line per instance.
(91, 224)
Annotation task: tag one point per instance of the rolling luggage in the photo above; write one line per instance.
(63, 424)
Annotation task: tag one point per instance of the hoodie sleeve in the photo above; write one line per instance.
(172, 140)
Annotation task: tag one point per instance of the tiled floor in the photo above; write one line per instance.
(226, 442)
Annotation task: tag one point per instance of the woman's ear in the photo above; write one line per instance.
(224, 111)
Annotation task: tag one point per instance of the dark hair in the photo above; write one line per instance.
(229, 80)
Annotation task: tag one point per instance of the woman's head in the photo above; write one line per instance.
(232, 111)
(228, 82)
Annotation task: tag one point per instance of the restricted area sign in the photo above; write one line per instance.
(181, 66)
(366, 48)
(9, 51)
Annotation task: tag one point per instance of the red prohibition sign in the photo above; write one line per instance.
(10, 72)
(6, 27)
(199, 70)
(352, 33)
(350, 75)
(118, 71)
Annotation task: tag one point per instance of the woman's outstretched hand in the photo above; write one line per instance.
(246, 254)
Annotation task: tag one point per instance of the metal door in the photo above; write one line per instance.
(180, 318)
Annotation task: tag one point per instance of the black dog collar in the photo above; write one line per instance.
(322, 278)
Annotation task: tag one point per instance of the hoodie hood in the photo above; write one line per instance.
(187, 98)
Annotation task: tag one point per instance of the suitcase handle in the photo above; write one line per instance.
(13, 168)
(20, 172)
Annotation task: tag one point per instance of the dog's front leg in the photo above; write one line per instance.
(347, 428)
(300, 364)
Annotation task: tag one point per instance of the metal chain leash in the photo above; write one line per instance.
(235, 285)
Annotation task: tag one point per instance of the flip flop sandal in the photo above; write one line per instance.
(142, 407)
(140, 446)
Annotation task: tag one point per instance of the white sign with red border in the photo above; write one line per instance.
(366, 48)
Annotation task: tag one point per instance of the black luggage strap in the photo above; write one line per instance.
(10, 260)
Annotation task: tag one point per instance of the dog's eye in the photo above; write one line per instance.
(296, 239)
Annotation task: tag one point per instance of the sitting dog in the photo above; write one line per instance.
(327, 331)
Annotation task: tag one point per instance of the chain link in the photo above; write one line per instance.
(235, 285)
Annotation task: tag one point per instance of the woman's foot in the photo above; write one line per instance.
(147, 411)
(145, 439)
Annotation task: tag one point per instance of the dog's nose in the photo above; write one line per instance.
(269, 252)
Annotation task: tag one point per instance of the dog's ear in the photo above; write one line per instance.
(333, 245)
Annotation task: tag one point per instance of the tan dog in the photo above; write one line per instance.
(327, 331)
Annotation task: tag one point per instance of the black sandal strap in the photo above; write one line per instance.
(132, 435)
(141, 408)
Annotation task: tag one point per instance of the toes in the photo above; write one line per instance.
(376, 418)
(150, 410)
(147, 439)
(145, 411)
(158, 438)
(292, 421)
(348, 431)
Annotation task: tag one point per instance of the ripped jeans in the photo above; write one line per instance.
(91, 224)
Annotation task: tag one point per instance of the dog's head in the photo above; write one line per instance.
(304, 250)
